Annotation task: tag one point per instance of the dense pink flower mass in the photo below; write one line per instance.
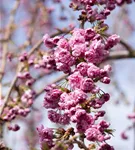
(76, 46)
(79, 56)
(52, 97)
(80, 47)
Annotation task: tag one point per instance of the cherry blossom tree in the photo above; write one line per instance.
(61, 54)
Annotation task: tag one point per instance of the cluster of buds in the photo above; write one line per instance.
(10, 114)
(26, 77)
(28, 97)
(14, 128)
(18, 107)
(96, 10)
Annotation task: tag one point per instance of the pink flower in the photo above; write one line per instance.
(77, 37)
(79, 95)
(84, 121)
(75, 80)
(92, 134)
(45, 136)
(124, 136)
(72, 99)
(67, 101)
(48, 41)
(105, 80)
(89, 34)
(63, 43)
(96, 132)
(53, 116)
(105, 146)
(82, 68)
(87, 85)
(108, 68)
(64, 60)
(97, 45)
(112, 41)
(58, 118)
(78, 114)
(79, 50)
(52, 97)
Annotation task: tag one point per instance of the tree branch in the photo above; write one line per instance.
(121, 55)
(123, 43)
(127, 46)
(7, 36)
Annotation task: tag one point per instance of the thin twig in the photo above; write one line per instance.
(127, 46)
(55, 81)
(120, 55)
(123, 43)
(7, 36)
(70, 141)
(80, 143)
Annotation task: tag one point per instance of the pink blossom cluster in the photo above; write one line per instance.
(28, 97)
(26, 78)
(46, 136)
(45, 61)
(84, 45)
(20, 104)
(96, 10)
(14, 128)
(25, 75)
(80, 56)
(11, 113)
(19, 107)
